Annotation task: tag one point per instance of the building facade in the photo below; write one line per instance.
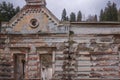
(35, 45)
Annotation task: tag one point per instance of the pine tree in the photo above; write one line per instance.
(64, 15)
(0, 26)
(101, 15)
(67, 18)
(110, 13)
(72, 17)
(95, 18)
(105, 14)
(17, 9)
(79, 16)
(7, 11)
(119, 15)
(114, 12)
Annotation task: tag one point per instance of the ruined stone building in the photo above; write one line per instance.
(35, 45)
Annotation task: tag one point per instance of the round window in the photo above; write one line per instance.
(34, 23)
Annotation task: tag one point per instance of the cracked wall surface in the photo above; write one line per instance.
(79, 50)
(92, 56)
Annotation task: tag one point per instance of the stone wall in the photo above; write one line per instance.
(84, 55)
(97, 57)
(5, 58)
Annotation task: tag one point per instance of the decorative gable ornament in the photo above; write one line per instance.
(36, 2)
(34, 23)
(34, 17)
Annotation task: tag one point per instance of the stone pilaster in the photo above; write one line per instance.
(6, 70)
(32, 65)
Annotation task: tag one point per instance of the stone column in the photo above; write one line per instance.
(53, 61)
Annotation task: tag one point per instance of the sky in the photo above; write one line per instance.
(87, 7)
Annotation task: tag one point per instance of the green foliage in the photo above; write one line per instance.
(72, 17)
(64, 15)
(114, 12)
(109, 13)
(79, 16)
(7, 11)
(0, 26)
(67, 18)
(71, 33)
(119, 15)
(95, 18)
(101, 15)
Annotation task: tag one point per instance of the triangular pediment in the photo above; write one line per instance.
(33, 19)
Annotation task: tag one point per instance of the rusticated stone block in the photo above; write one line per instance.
(96, 75)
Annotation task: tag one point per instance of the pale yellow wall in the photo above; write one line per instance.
(25, 21)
